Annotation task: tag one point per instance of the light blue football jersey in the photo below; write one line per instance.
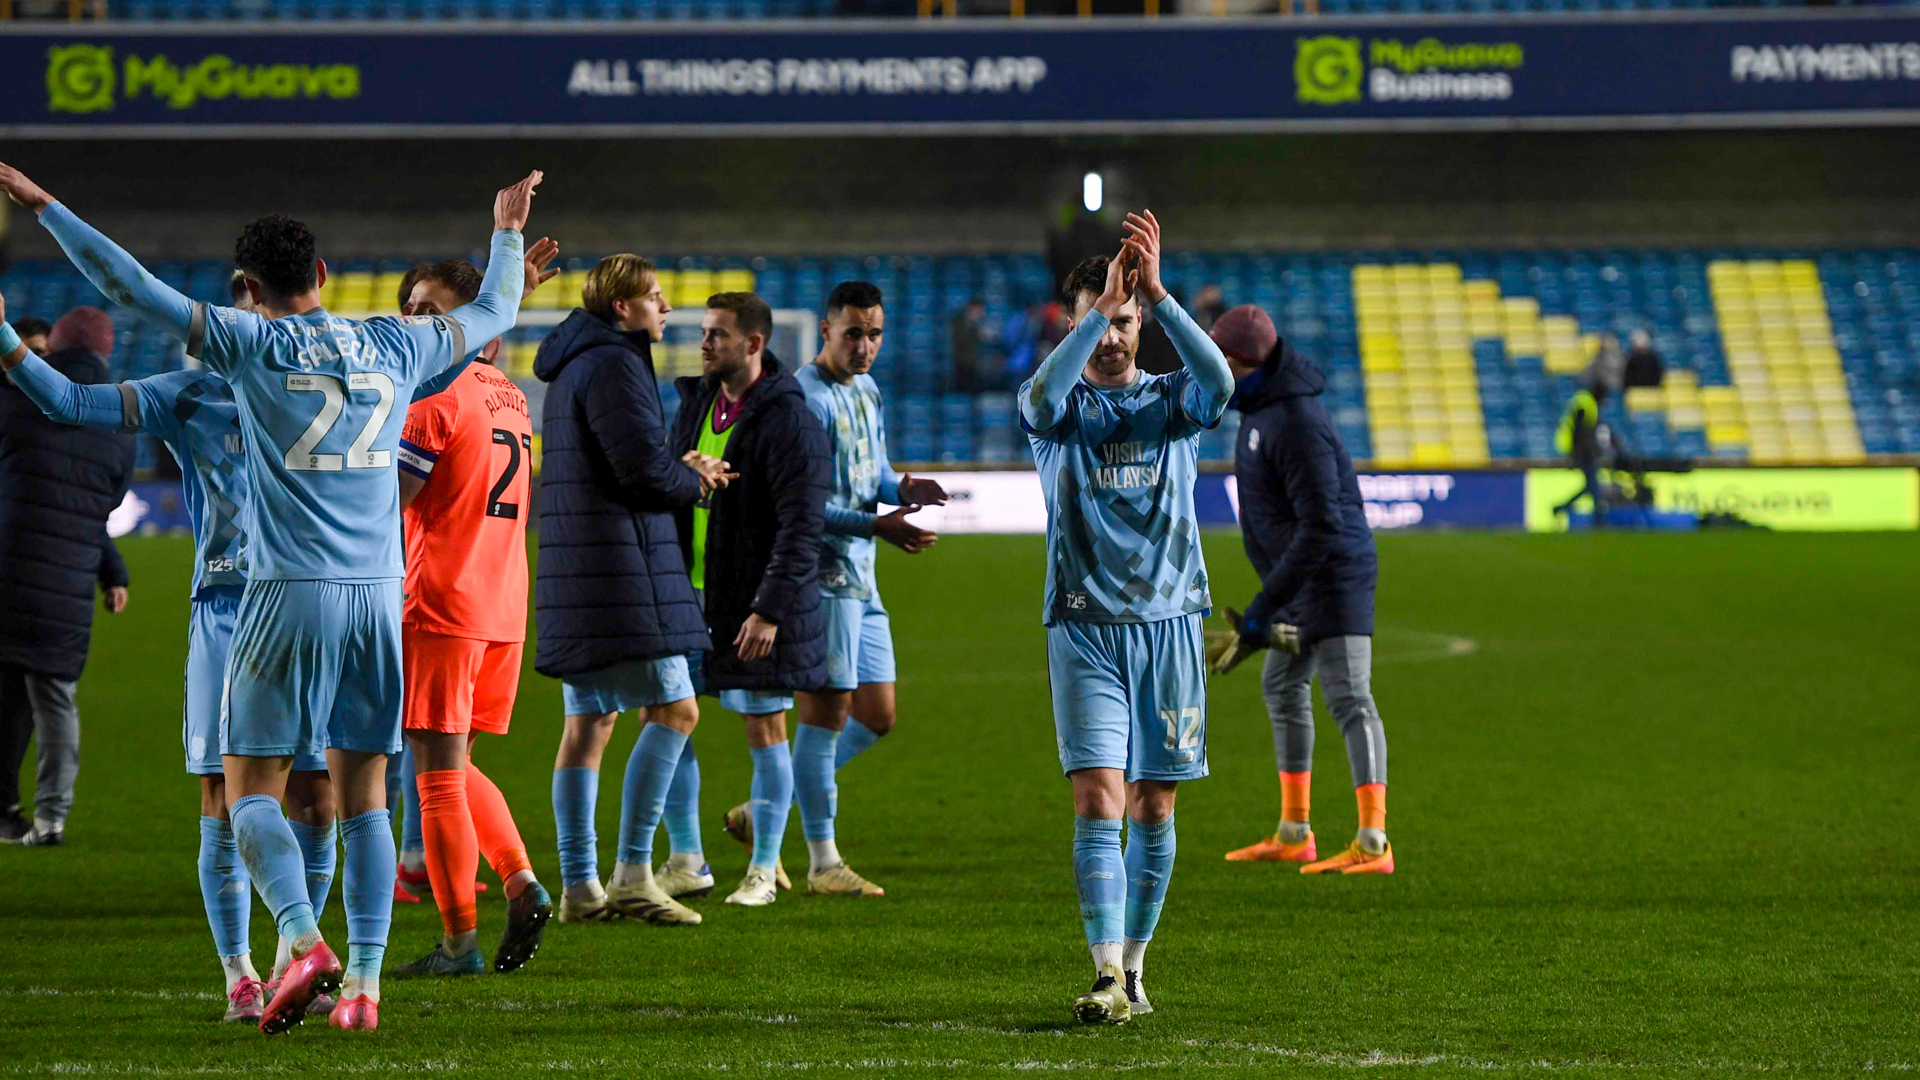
(1117, 472)
(322, 400)
(193, 412)
(862, 479)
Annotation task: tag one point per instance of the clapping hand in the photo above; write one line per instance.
(1122, 278)
(895, 529)
(539, 256)
(1143, 241)
(511, 204)
(922, 491)
(713, 472)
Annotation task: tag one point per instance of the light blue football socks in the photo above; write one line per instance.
(371, 862)
(575, 793)
(224, 888)
(1149, 862)
(1100, 875)
(643, 801)
(275, 866)
(855, 739)
(814, 787)
(682, 813)
(412, 838)
(321, 855)
(770, 800)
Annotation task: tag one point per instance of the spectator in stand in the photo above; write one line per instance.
(968, 335)
(57, 486)
(33, 334)
(1644, 366)
(1208, 305)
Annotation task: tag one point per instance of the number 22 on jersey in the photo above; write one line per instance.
(302, 455)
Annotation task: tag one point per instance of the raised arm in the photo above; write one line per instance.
(493, 312)
(112, 271)
(116, 273)
(1044, 403)
(1206, 397)
(64, 401)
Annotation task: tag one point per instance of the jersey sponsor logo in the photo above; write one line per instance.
(235, 444)
(1122, 466)
(1090, 411)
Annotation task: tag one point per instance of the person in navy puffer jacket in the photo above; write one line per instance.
(615, 611)
(1304, 525)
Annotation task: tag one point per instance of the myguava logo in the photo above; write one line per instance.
(79, 78)
(1327, 70)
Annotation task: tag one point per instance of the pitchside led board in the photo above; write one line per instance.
(1806, 67)
(1798, 500)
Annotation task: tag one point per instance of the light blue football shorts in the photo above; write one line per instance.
(859, 642)
(744, 702)
(1130, 696)
(627, 685)
(210, 622)
(314, 664)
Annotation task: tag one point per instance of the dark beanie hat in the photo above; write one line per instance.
(1245, 333)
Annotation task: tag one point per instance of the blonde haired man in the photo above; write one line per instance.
(615, 610)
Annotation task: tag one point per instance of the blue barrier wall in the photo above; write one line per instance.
(1266, 74)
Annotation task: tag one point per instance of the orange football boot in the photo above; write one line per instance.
(1353, 861)
(1274, 849)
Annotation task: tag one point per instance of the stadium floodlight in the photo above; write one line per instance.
(1093, 192)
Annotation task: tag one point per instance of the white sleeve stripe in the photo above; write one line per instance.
(415, 459)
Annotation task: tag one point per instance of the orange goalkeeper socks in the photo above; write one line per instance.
(1296, 796)
(452, 851)
(1373, 806)
(498, 836)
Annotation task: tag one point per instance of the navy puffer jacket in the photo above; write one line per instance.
(611, 584)
(1301, 515)
(57, 486)
(764, 531)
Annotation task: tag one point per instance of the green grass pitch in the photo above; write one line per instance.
(1659, 820)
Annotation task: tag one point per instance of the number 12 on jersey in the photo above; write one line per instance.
(301, 456)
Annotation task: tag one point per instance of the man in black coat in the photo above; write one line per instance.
(753, 548)
(1304, 525)
(57, 486)
(615, 612)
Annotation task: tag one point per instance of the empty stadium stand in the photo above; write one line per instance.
(1433, 359)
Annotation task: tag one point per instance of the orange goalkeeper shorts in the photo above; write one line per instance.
(457, 685)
